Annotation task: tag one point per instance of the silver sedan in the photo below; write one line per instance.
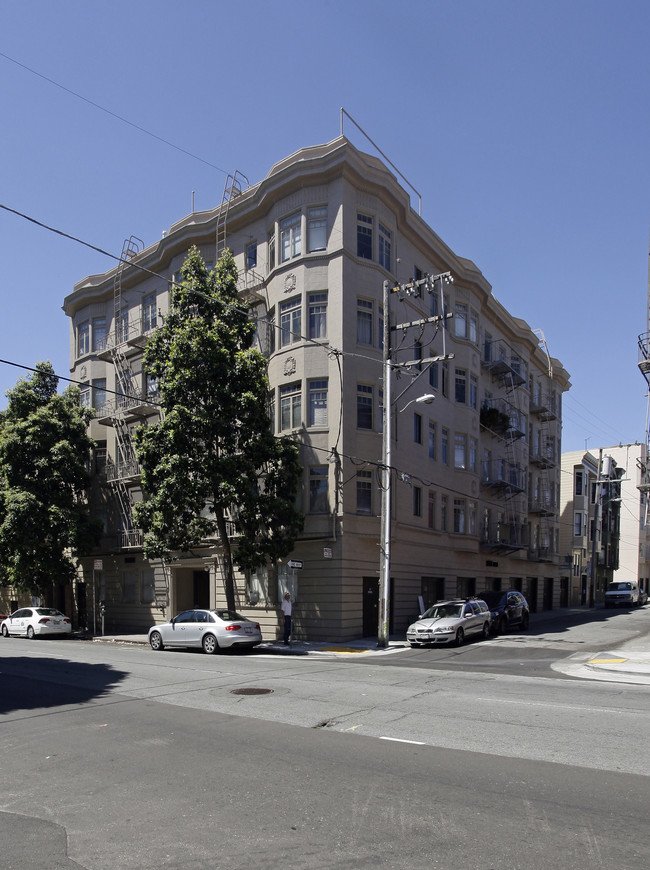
(208, 629)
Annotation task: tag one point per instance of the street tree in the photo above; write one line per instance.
(45, 521)
(212, 464)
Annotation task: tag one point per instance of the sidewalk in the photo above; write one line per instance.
(625, 663)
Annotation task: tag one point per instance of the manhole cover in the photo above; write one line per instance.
(251, 691)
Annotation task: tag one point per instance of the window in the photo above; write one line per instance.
(432, 439)
(434, 303)
(417, 428)
(431, 511)
(444, 458)
(84, 399)
(99, 333)
(487, 347)
(384, 247)
(460, 321)
(364, 492)
(317, 315)
(151, 387)
(473, 327)
(473, 454)
(122, 325)
(290, 321)
(290, 238)
(445, 380)
(83, 338)
(473, 392)
(364, 236)
(461, 386)
(364, 406)
(317, 229)
(251, 255)
(577, 524)
(417, 501)
(444, 503)
(433, 375)
(99, 395)
(149, 312)
(472, 517)
(318, 500)
(290, 407)
(271, 245)
(318, 403)
(417, 354)
(459, 516)
(578, 484)
(364, 321)
(460, 451)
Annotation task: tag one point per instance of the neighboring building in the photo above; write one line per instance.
(476, 484)
(592, 494)
(623, 509)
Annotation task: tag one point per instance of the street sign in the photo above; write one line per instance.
(327, 552)
(98, 565)
(294, 563)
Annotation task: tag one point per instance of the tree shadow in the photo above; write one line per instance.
(34, 683)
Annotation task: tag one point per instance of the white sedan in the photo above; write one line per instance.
(209, 629)
(36, 621)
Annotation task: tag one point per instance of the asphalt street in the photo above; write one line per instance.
(116, 756)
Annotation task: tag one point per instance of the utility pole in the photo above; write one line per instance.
(412, 288)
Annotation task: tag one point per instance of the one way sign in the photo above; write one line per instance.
(294, 563)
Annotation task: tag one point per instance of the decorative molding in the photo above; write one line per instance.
(83, 373)
(290, 366)
(290, 283)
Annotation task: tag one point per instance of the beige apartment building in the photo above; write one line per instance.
(622, 544)
(476, 471)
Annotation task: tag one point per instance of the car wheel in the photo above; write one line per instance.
(5, 631)
(502, 625)
(156, 641)
(460, 637)
(486, 630)
(524, 622)
(30, 632)
(210, 645)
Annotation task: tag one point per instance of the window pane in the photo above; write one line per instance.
(317, 229)
(364, 407)
(364, 236)
(318, 315)
(318, 403)
(318, 501)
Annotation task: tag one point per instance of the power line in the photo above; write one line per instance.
(112, 114)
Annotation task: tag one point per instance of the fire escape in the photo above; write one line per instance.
(504, 476)
(543, 455)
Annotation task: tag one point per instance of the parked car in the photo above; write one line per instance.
(36, 621)
(451, 622)
(508, 608)
(643, 597)
(625, 592)
(209, 629)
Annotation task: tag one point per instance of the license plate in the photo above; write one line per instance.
(248, 630)
(56, 622)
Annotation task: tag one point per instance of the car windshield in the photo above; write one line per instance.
(619, 587)
(444, 611)
(228, 615)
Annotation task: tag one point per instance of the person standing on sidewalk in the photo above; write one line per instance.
(286, 610)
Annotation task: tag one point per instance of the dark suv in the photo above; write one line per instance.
(508, 608)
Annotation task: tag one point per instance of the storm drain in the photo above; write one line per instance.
(251, 691)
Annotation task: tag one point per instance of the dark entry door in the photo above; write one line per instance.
(201, 589)
(370, 606)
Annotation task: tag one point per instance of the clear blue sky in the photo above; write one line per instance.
(525, 125)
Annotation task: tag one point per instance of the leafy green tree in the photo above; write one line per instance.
(44, 451)
(213, 460)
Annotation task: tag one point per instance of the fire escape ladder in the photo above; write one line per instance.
(232, 189)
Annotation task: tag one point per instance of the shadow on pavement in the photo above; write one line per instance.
(32, 844)
(33, 683)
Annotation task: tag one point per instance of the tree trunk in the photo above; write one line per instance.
(229, 578)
